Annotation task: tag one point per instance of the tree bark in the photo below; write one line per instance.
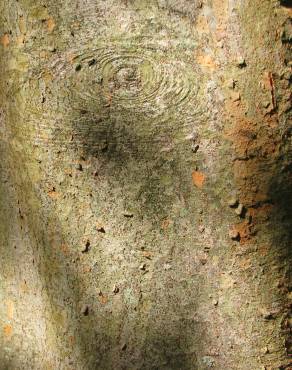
(146, 184)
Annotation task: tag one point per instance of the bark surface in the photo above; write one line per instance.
(146, 184)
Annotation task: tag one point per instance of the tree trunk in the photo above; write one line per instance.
(146, 184)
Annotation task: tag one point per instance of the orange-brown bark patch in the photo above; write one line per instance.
(198, 179)
(7, 331)
(4, 40)
(245, 231)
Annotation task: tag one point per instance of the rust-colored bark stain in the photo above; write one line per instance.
(5, 41)
(53, 194)
(7, 331)
(253, 148)
(245, 230)
(198, 179)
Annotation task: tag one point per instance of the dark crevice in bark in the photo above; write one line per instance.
(286, 3)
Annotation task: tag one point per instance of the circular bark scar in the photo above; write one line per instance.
(139, 78)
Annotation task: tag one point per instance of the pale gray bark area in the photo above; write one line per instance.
(131, 133)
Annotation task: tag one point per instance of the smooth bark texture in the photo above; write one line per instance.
(146, 184)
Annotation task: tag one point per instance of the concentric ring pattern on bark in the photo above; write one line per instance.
(127, 91)
(144, 80)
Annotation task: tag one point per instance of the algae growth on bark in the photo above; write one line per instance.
(145, 184)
